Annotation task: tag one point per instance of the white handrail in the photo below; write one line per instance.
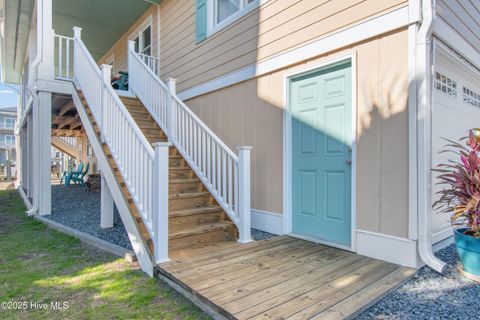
(212, 160)
(153, 63)
(63, 57)
(131, 151)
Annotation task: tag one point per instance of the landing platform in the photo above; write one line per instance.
(280, 278)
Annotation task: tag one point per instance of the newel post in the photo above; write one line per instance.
(244, 210)
(107, 77)
(160, 201)
(77, 35)
(172, 89)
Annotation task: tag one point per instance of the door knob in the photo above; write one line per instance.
(348, 161)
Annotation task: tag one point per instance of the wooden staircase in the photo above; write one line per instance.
(195, 217)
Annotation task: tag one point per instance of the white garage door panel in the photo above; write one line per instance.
(452, 117)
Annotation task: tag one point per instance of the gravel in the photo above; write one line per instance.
(76, 208)
(429, 295)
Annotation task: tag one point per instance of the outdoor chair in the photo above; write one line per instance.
(80, 178)
(120, 82)
(70, 175)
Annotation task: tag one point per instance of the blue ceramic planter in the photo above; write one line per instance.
(468, 249)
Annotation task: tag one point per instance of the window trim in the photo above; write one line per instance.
(213, 27)
(138, 33)
(9, 136)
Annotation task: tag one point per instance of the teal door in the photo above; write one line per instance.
(321, 109)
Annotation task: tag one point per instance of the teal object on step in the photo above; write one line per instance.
(71, 175)
(321, 110)
(468, 249)
(80, 178)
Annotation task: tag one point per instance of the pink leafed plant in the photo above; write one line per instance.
(461, 195)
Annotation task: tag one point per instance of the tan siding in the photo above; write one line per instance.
(273, 28)
(119, 49)
(251, 113)
(462, 16)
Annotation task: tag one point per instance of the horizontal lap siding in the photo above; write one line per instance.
(119, 49)
(275, 27)
(463, 17)
(251, 113)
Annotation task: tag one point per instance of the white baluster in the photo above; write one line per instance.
(160, 198)
(171, 84)
(107, 76)
(244, 213)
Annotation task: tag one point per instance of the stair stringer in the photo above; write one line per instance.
(65, 147)
(139, 247)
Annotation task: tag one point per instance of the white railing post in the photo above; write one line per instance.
(107, 76)
(244, 211)
(160, 201)
(77, 35)
(172, 90)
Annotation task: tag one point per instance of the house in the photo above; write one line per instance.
(8, 117)
(316, 119)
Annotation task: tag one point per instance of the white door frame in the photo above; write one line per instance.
(287, 149)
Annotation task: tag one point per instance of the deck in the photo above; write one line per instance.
(280, 278)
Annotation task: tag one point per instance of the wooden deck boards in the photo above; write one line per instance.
(281, 278)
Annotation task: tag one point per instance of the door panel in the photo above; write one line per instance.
(321, 154)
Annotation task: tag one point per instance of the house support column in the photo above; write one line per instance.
(42, 115)
(106, 211)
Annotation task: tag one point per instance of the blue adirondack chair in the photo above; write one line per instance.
(80, 178)
(72, 174)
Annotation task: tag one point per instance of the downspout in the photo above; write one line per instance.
(424, 80)
(32, 77)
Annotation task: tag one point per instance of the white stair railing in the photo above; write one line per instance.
(226, 175)
(63, 57)
(136, 159)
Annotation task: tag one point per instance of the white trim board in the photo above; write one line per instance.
(267, 221)
(392, 249)
(287, 145)
(382, 24)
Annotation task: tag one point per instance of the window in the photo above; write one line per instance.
(9, 123)
(213, 15)
(445, 85)
(9, 140)
(224, 9)
(143, 42)
(471, 97)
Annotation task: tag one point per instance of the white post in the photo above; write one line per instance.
(131, 50)
(244, 210)
(77, 35)
(46, 66)
(106, 212)
(171, 84)
(107, 77)
(160, 201)
(43, 121)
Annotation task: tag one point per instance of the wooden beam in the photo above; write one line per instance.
(67, 107)
(67, 121)
(66, 133)
(76, 124)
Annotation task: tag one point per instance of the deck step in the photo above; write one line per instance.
(194, 211)
(204, 233)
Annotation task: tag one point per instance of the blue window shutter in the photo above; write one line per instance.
(200, 20)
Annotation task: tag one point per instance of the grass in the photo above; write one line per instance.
(39, 264)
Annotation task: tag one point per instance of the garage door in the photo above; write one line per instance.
(456, 108)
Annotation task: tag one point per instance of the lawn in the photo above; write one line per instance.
(41, 268)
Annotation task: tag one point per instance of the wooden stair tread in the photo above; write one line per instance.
(184, 180)
(194, 211)
(188, 195)
(200, 229)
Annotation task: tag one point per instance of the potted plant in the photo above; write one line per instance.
(461, 197)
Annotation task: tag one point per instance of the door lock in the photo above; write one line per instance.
(348, 162)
